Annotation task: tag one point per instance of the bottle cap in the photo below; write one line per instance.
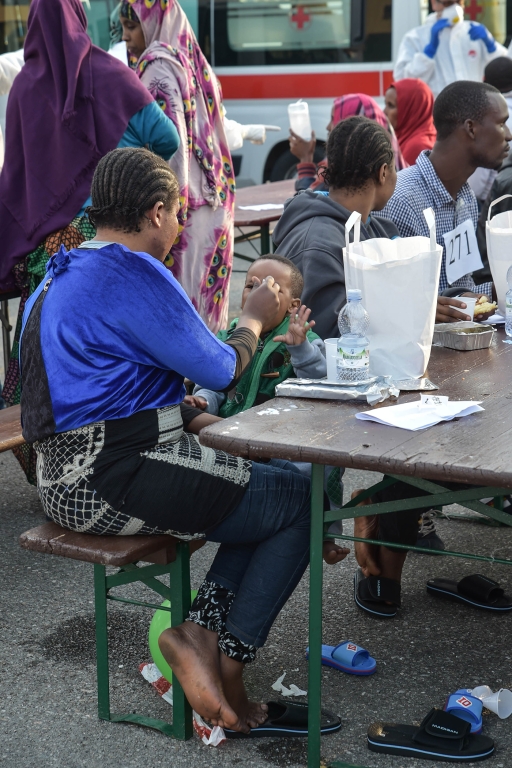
(354, 294)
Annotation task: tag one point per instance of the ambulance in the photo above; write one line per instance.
(270, 53)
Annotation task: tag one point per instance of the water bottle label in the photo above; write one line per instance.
(350, 357)
(509, 310)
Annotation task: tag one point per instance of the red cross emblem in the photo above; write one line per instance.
(300, 17)
(351, 647)
(466, 703)
(473, 9)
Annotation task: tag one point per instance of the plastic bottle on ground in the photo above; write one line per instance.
(508, 304)
(353, 361)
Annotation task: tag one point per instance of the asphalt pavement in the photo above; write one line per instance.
(48, 691)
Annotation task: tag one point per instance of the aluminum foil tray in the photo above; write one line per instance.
(322, 389)
(463, 336)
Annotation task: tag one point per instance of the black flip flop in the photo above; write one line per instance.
(476, 590)
(373, 593)
(287, 719)
(441, 736)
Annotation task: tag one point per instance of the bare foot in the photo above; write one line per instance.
(193, 654)
(367, 527)
(251, 712)
(333, 553)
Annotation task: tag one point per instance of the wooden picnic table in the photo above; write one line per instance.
(258, 222)
(476, 449)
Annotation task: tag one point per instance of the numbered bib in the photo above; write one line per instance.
(462, 254)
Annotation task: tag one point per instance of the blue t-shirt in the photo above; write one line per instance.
(118, 335)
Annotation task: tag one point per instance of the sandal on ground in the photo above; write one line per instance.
(347, 657)
(287, 719)
(476, 590)
(373, 593)
(462, 704)
(441, 736)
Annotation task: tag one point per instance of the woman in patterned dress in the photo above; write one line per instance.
(172, 66)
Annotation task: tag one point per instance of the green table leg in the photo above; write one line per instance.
(265, 239)
(315, 615)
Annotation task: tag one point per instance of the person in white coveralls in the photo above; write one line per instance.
(446, 48)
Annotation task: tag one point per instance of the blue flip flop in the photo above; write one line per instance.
(467, 707)
(347, 657)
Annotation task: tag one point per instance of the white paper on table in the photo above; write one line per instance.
(420, 414)
(496, 319)
(262, 207)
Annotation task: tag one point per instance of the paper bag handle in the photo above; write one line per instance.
(355, 223)
(431, 223)
(503, 197)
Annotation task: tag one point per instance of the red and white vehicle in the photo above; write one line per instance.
(268, 54)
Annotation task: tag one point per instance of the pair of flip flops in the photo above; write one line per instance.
(376, 595)
(477, 591)
(348, 657)
(441, 736)
(462, 704)
(288, 719)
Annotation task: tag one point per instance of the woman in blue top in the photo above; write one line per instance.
(104, 353)
(70, 105)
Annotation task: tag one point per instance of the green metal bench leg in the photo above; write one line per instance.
(180, 602)
(102, 671)
(315, 615)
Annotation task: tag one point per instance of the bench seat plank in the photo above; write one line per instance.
(10, 428)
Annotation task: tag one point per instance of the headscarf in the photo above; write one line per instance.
(169, 36)
(68, 107)
(415, 128)
(354, 104)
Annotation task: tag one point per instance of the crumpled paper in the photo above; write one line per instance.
(212, 737)
(375, 391)
(293, 690)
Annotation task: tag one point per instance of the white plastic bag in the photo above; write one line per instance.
(399, 281)
(498, 233)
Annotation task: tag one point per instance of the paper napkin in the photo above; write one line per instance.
(420, 414)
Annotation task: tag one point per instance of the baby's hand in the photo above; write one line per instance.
(196, 402)
(297, 329)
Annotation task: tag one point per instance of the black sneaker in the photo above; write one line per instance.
(427, 534)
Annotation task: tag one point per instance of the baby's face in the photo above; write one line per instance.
(280, 272)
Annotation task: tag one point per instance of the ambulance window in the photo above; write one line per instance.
(259, 32)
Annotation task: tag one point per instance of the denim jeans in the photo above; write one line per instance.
(264, 548)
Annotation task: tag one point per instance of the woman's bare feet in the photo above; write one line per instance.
(251, 712)
(193, 654)
(333, 553)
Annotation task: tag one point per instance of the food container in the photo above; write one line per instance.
(300, 123)
(463, 336)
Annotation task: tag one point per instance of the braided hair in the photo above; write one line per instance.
(357, 149)
(128, 182)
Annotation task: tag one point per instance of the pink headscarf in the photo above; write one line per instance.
(354, 104)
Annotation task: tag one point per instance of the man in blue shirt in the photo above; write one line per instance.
(472, 132)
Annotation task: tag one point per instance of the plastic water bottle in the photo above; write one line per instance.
(353, 361)
(508, 304)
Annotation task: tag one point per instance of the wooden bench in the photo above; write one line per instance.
(10, 428)
(160, 555)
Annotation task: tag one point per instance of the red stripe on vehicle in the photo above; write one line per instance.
(296, 86)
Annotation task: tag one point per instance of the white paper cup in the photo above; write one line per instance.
(331, 352)
(500, 703)
(470, 302)
(481, 692)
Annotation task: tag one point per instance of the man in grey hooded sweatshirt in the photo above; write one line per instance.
(361, 177)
